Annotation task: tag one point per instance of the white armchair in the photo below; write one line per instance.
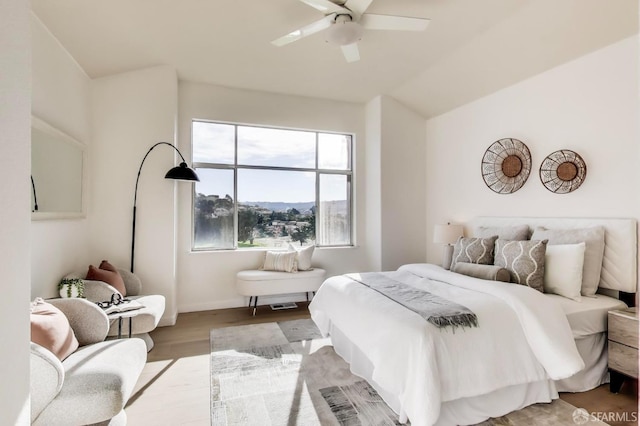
(93, 384)
(146, 319)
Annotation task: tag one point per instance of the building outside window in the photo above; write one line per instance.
(268, 187)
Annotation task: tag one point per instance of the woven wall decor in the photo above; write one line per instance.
(506, 165)
(563, 171)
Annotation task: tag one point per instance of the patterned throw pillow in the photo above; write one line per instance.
(473, 250)
(524, 260)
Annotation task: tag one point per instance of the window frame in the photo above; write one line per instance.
(235, 167)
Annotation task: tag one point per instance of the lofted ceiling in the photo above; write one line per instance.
(470, 49)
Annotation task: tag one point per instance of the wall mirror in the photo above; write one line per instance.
(58, 173)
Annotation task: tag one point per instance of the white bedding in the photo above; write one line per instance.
(523, 337)
(588, 322)
(589, 316)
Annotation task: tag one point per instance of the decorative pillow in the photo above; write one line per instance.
(50, 329)
(473, 250)
(519, 232)
(563, 270)
(593, 251)
(485, 272)
(284, 261)
(524, 260)
(303, 256)
(110, 277)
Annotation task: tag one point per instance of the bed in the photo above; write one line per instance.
(527, 347)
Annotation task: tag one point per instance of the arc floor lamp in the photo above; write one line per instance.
(180, 172)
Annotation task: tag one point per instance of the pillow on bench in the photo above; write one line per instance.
(284, 261)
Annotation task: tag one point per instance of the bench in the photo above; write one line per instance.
(257, 283)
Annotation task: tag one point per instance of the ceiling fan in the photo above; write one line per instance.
(345, 22)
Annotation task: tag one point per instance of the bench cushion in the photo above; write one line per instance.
(262, 283)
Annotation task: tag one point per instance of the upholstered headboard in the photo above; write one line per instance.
(620, 263)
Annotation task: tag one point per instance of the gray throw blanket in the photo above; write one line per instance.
(434, 309)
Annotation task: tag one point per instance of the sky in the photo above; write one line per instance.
(260, 146)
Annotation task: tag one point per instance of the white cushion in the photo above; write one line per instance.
(284, 261)
(303, 256)
(563, 270)
(593, 238)
(263, 283)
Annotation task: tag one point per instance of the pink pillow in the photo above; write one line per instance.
(112, 278)
(50, 329)
(107, 266)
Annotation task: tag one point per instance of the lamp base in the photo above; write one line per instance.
(447, 256)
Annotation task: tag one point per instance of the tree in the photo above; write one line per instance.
(292, 214)
(247, 220)
(204, 206)
(278, 216)
(301, 234)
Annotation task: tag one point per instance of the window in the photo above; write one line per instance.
(268, 187)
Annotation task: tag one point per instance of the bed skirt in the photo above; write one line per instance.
(462, 411)
(593, 350)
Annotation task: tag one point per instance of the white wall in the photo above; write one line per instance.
(61, 98)
(403, 205)
(15, 118)
(129, 113)
(395, 184)
(589, 105)
(373, 183)
(206, 280)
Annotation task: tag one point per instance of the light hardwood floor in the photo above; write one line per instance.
(174, 386)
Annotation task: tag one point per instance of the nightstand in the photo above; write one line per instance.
(623, 346)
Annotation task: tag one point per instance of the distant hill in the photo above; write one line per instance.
(278, 206)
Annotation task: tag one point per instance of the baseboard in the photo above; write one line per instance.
(209, 306)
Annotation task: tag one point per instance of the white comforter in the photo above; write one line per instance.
(522, 337)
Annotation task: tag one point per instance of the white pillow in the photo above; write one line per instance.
(303, 256)
(284, 261)
(563, 265)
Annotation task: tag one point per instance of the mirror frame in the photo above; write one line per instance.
(63, 137)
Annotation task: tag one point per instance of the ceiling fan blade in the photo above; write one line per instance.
(358, 6)
(387, 22)
(351, 52)
(325, 6)
(305, 31)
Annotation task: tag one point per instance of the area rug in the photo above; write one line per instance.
(285, 373)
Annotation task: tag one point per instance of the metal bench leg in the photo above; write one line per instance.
(250, 300)
(255, 305)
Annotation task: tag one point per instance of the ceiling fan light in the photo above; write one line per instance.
(344, 33)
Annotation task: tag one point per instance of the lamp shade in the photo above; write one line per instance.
(447, 234)
(182, 172)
